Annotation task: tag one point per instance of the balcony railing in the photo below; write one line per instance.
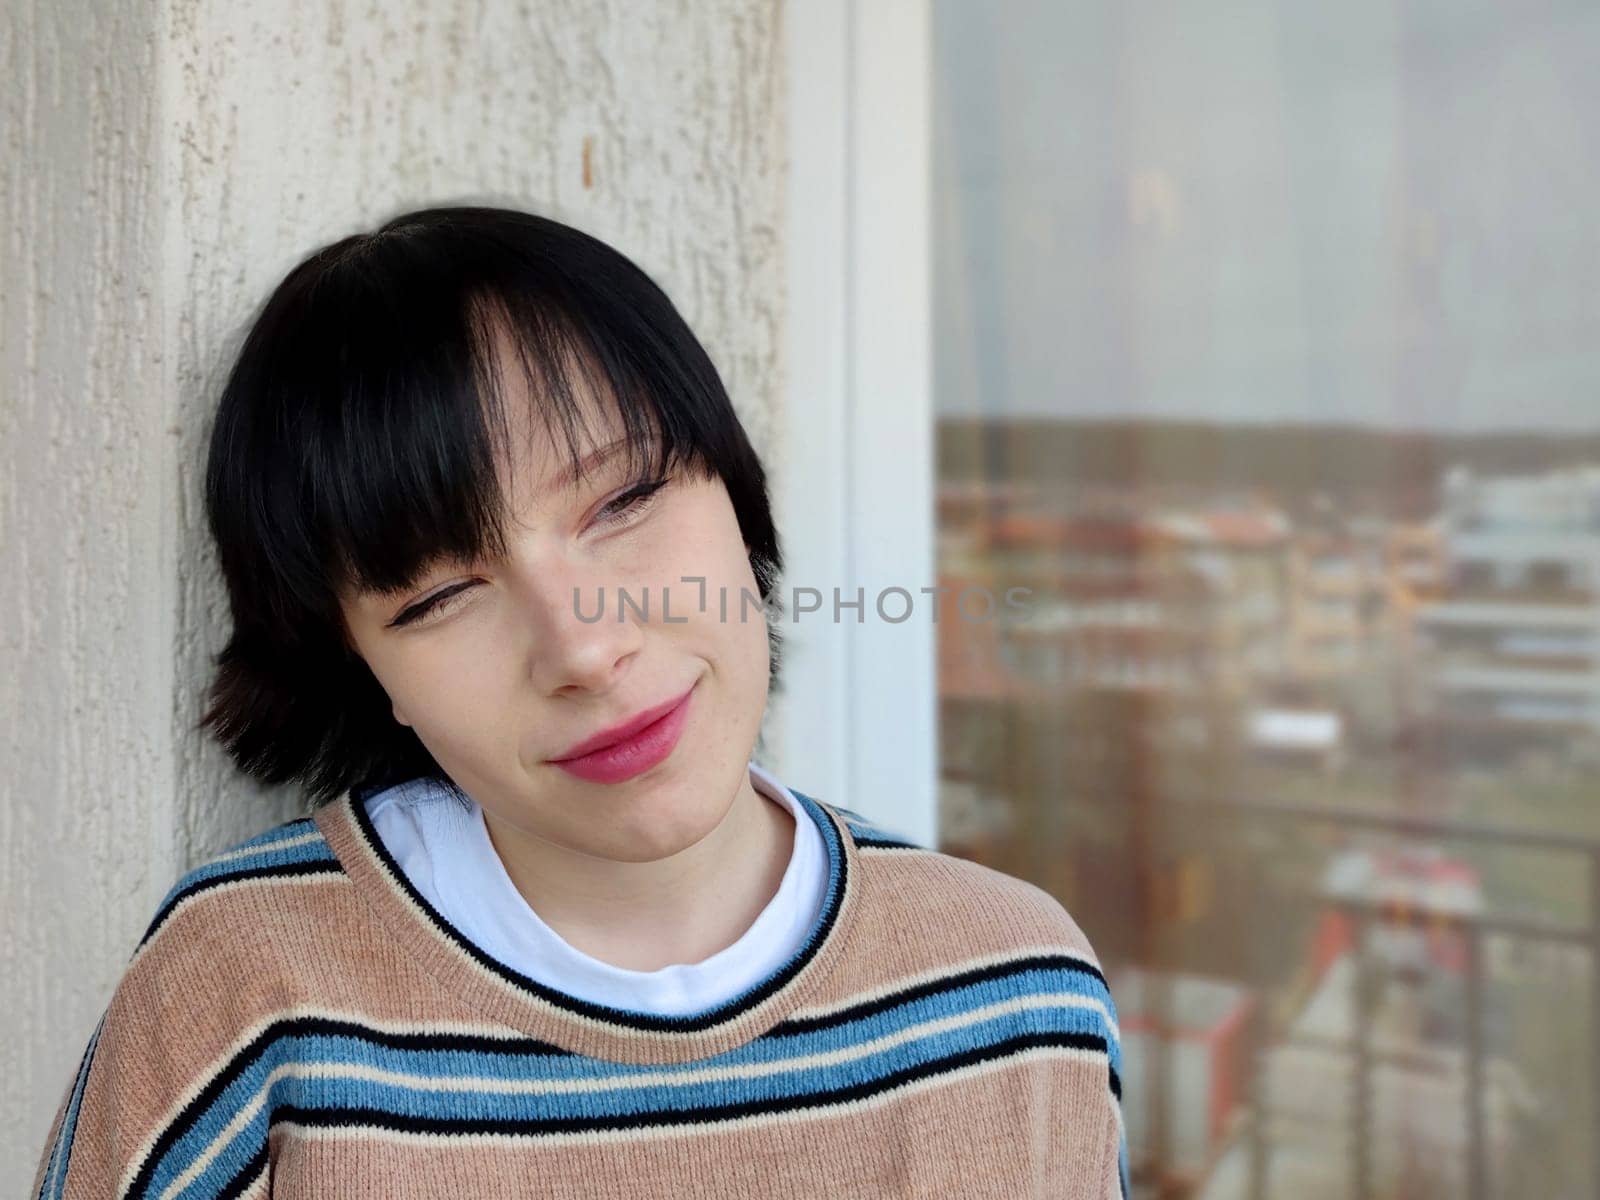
(1474, 927)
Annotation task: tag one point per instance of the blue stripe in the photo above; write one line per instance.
(270, 852)
(516, 1062)
(55, 1179)
(298, 827)
(266, 854)
(353, 1098)
(864, 830)
(946, 1003)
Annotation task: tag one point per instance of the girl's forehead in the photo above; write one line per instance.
(535, 457)
(539, 466)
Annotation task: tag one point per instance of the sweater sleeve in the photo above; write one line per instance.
(48, 1178)
(116, 1125)
(93, 1142)
(1113, 1183)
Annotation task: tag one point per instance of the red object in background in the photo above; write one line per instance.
(1208, 1060)
(1335, 935)
(1418, 889)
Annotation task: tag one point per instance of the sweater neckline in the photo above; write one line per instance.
(571, 1023)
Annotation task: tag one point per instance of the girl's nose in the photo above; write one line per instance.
(581, 628)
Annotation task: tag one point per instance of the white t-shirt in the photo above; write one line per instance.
(445, 851)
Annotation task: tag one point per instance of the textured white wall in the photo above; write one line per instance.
(164, 166)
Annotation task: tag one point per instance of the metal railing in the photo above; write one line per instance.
(1473, 927)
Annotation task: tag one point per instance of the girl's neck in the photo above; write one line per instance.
(645, 916)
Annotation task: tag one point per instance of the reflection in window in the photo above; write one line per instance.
(1267, 354)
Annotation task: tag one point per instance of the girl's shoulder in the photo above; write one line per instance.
(239, 941)
(919, 887)
(869, 833)
(242, 875)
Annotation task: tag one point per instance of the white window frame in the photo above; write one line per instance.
(853, 477)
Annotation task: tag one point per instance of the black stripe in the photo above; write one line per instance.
(944, 983)
(329, 866)
(248, 1174)
(309, 1026)
(528, 1047)
(79, 1085)
(870, 836)
(534, 1127)
(648, 1022)
(867, 841)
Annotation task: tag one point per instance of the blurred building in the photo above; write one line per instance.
(1514, 639)
(1417, 563)
(1338, 590)
(1244, 553)
(1067, 720)
(1117, 605)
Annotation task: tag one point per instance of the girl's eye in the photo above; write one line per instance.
(624, 509)
(436, 603)
(631, 503)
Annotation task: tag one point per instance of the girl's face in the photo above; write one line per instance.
(491, 665)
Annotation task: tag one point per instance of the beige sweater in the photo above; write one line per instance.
(298, 1022)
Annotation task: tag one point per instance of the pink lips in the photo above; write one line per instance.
(631, 748)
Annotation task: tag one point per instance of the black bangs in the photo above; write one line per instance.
(411, 462)
(366, 431)
(382, 423)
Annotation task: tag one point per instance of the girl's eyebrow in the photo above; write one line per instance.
(568, 478)
(585, 465)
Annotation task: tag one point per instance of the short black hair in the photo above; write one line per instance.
(354, 445)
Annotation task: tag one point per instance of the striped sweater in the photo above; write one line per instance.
(298, 1022)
